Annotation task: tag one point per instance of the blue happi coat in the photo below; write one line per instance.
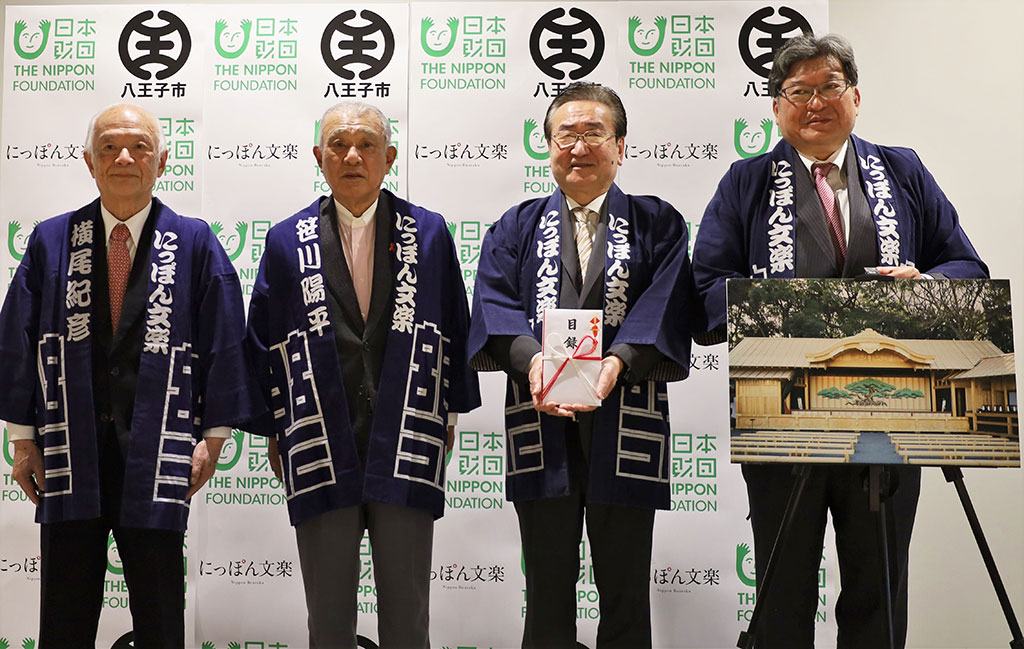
(647, 301)
(424, 376)
(749, 227)
(192, 372)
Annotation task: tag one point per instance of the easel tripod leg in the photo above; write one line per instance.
(878, 492)
(956, 476)
(802, 472)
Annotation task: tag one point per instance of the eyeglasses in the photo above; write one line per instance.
(800, 95)
(567, 139)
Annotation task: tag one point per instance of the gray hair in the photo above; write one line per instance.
(806, 47)
(587, 91)
(161, 141)
(359, 108)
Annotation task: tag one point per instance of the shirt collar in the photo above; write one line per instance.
(349, 220)
(838, 158)
(594, 205)
(135, 222)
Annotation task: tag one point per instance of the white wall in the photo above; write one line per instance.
(943, 77)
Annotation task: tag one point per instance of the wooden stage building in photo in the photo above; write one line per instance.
(869, 398)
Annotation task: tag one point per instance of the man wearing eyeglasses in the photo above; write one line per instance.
(825, 203)
(588, 245)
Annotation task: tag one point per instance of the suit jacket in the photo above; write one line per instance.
(639, 275)
(360, 345)
(115, 359)
(514, 353)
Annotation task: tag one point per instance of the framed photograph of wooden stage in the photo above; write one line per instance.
(872, 372)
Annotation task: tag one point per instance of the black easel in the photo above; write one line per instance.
(955, 475)
(802, 472)
(880, 488)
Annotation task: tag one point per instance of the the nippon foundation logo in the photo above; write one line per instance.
(534, 143)
(438, 40)
(646, 39)
(31, 41)
(745, 565)
(54, 54)
(231, 41)
(752, 139)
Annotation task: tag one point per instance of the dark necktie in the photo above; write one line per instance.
(831, 206)
(118, 267)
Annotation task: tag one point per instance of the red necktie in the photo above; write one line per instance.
(118, 267)
(828, 201)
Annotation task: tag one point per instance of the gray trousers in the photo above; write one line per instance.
(401, 539)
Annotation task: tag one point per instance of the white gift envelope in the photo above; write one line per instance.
(572, 346)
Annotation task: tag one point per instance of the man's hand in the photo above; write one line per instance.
(537, 387)
(274, 457)
(28, 469)
(900, 272)
(204, 463)
(611, 367)
(450, 443)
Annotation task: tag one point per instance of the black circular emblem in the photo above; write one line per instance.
(155, 45)
(769, 37)
(127, 641)
(566, 44)
(343, 45)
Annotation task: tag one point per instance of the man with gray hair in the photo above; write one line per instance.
(357, 326)
(112, 305)
(852, 206)
(588, 245)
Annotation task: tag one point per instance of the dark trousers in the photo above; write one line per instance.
(74, 566)
(401, 540)
(788, 622)
(620, 543)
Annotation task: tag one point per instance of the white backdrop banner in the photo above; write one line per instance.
(239, 90)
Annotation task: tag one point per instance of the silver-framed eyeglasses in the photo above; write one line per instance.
(831, 89)
(567, 139)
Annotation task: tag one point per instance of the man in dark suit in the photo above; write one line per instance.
(358, 324)
(112, 304)
(588, 245)
(825, 203)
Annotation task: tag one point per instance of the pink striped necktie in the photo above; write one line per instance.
(831, 206)
(118, 267)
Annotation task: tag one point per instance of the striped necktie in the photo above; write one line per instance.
(831, 206)
(586, 225)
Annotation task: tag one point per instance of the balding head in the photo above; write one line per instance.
(125, 152)
(142, 115)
